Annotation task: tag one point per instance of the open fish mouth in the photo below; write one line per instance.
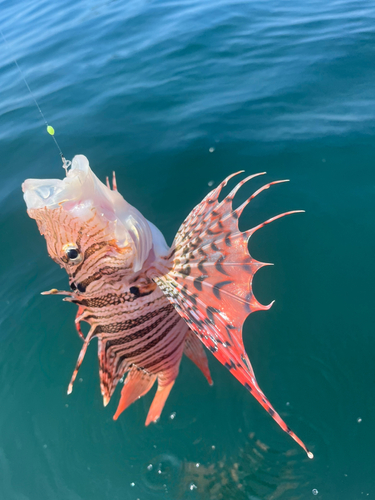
(81, 194)
(79, 191)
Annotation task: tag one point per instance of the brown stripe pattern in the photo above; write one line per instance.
(136, 326)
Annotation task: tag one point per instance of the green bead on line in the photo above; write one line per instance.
(50, 130)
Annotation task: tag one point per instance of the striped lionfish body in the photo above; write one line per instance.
(146, 303)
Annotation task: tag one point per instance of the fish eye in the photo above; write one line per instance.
(72, 253)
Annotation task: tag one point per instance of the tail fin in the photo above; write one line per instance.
(210, 284)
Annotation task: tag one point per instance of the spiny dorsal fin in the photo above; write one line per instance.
(210, 284)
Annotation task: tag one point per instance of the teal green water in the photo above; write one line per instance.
(146, 88)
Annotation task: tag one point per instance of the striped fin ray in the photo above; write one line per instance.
(195, 352)
(158, 402)
(110, 371)
(210, 284)
(137, 384)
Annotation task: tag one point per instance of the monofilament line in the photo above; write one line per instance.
(32, 95)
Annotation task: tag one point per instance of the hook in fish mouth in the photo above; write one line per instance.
(81, 194)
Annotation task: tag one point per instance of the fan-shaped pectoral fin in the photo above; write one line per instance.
(210, 284)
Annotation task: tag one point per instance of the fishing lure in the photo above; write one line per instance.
(146, 303)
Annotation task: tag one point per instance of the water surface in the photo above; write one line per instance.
(149, 88)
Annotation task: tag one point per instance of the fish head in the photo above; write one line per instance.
(90, 230)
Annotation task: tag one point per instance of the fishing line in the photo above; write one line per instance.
(50, 129)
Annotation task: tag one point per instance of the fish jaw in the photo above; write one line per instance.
(83, 199)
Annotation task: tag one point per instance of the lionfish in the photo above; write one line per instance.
(146, 303)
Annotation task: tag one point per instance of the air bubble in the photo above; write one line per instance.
(211, 150)
(315, 491)
(359, 420)
(160, 471)
(132, 485)
(172, 415)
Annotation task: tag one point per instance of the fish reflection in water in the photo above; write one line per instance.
(250, 475)
(254, 472)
